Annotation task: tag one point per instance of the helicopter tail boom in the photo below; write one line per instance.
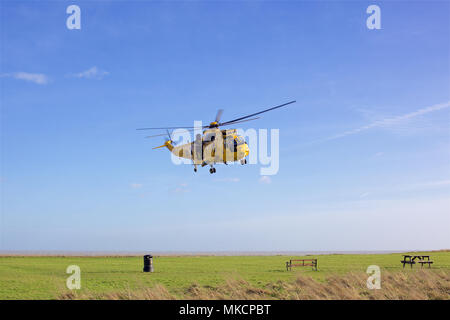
(167, 144)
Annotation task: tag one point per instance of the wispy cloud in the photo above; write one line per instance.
(379, 154)
(136, 185)
(181, 188)
(92, 73)
(393, 121)
(265, 180)
(430, 184)
(406, 187)
(228, 180)
(38, 78)
(364, 195)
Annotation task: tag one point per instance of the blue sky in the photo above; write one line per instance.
(364, 153)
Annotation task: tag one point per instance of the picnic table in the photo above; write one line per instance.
(411, 259)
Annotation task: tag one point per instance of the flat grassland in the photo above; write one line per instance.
(340, 276)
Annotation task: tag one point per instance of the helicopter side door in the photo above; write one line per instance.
(230, 148)
(213, 147)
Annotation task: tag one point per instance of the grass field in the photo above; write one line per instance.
(35, 277)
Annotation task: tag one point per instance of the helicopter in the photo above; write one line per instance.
(215, 145)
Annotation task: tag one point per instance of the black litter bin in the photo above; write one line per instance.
(148, 263)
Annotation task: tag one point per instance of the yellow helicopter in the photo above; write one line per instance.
(215, 145)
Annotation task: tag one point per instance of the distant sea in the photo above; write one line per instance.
(190, 253)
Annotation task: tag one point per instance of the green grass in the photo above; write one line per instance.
(45, 277)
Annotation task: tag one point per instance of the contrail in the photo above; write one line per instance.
(392, 121)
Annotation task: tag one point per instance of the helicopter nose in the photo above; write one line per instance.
(246, 149)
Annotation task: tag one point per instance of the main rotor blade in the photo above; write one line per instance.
(219, 115)
(234, 122)
(157, 135)
(165, 128)
(254, 114)
(165, 134)
(168, 133)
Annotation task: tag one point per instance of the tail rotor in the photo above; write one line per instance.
(169, 136)
(168, 142)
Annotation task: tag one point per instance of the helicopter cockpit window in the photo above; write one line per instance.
(239, 141)
(209, 137)
(231, 144)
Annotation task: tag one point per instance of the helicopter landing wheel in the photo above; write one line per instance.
(244, 161)
(212, 170)
(195, 169)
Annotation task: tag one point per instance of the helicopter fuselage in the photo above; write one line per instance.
(215, 146)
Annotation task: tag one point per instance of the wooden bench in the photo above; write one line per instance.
(301, 263)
